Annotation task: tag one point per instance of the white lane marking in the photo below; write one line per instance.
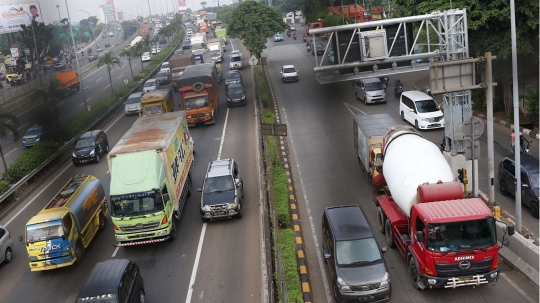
(10, 152)
(94, 72)
(107, 86)
(311, 222)
(196, 264)
(29, 110)
(37, 195)
(223, 134)
(203, 231)
(350, 106)
(516, 287)
(115, 251)
(121, 76)
(99, 79)
(232, 45)
(107, 129)
(19, 128)
(61, 103)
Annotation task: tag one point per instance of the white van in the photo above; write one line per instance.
(420, 110)
(370, 90)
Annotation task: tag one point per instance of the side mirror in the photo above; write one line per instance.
(384, 249)
(239, 184)
(21, 239)
(199, 189)
(510, 229)
(420, 236)
(525, 185)
(281, 72)
(166, 197)
(327, 255)
(506, 243)
(63, 237)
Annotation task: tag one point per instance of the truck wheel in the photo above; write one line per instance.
(413, 274)
(79, 252)
(102, 222)
(388, 235)
(189, 186)
(172, 235)
(79, 87)
(8, 256)
(381, 220)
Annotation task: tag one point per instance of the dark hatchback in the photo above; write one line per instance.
(236, 95)
(186, 44)
(529, 180)
(164, 77)
(353, 256)
(112, 281)
(179, 52)
(233, 76)
(90, 147)
(92, 58)
(319, 46)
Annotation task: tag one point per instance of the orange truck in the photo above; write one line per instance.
(203, 27)
(143, 32)
(69, 79)
(314, 25)
(199, 92)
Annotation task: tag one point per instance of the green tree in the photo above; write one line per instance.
(109, 59)
(130, 53)
(532, 97)
(203, 4)
(139, 49)
(8, 123)
(43, 34)
(255, 23)
(50, 93)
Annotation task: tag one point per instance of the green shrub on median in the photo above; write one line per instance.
(287, 246)
(31, 159)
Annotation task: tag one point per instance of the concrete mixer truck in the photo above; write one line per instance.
(448, 241)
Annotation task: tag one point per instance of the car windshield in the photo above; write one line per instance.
(357, 252)
(32, 132)
(196, 102)
(146, 54)
(187, 43)
(236, 90)
(133, 99)
(83, 143)
(135, 205)
(233, 76)
(165, 65)
(106, 298)
(218, 184)
(153, 109)
(44, 231)
(427, 106)
(162, 74)
(456, 236)
(534, 179)
(374, 86)
(214, 53)
(319, 45)
(236, 59)
(177, 74)
(178, 52)
(149, 83)
(289, 70)
(278, 36)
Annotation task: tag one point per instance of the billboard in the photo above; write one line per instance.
(11, 16)
(182, 6)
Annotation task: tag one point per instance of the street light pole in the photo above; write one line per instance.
(91, 23)
(78, 61)
(34, 53)
(59, 17)
(149, 11)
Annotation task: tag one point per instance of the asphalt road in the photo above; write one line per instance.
(211, 262)
(327, 173)
(96, 86)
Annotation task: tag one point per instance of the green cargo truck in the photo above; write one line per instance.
(150, 179)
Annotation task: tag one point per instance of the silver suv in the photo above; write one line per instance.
(6, 246)
(222, 191)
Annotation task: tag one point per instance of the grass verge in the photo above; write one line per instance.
(285, 247)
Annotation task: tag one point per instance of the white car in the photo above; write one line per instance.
(146, 57)
(119, 29)
(421, 110)
(165, 67)
(154, 51)
(6, 246)
(289, 73)
(236, 53)
(150, 85)
(158, 49)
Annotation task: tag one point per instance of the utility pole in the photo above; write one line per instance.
(59, 18)
(149, 11)
(489, 108)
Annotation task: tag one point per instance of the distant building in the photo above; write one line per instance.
(111, 3)
(106, 13)
(119, 16)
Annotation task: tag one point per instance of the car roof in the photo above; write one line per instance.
(348, 222)
(166, 62)
(289, 66)
(370, 80)
(137, 94)
(528, 162)
(417, 95)
(219, 168)
(233, 71)
(233, 85)
(90, 134)
(104, 278)
(151, 80)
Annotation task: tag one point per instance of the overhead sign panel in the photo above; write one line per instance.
(12, 16)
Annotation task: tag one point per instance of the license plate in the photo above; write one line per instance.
(465, 279)
(366, 298)
(30, 139)
(219, 213)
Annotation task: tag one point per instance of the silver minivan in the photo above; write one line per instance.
(370, 90)
(6, 246)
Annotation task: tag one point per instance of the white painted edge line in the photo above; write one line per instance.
(99, 79)
(37, 195)
(107, 86)
(10, 152)
(29, 109)
(517, 288)
(223, 135)
(121, 76)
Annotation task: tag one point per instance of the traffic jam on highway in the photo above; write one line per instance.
(160, 220)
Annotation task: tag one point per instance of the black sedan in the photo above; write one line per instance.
(186, 44)
(319, 47)
(92, 58)
(164, 77)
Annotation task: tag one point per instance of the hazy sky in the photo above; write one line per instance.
(49, 12)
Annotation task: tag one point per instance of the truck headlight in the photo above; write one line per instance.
(232, 205)
(385, 282)
(207, 114)
(120, 238)
(206, 208)
(342, 285)
(229, 99)
(189, 117)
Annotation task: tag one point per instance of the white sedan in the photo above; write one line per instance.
(146, 57)
(154, 51)
(236, 53)
(158, 49)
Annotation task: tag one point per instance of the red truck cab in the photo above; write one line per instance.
(199, 92)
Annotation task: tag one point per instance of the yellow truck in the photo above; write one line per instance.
(157, 102)
(58, 235)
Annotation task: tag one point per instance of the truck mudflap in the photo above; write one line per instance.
(459, 281)
(142, 242)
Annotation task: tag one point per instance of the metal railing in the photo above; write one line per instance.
(68, 144)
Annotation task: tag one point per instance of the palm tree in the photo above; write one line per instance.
(129, 53)
(8, 122)
(110, 60)
(51, 92)
(138, 50)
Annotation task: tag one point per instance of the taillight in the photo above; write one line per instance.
(37, 137)
(115, 227)
(164, 220)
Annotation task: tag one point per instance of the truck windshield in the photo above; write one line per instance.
(197, 102)
(426, 106)
(44, 231)
(135, 205)
(357, 252)
(153, 109)
(215, 53)
(177, 74)
(456, 236)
